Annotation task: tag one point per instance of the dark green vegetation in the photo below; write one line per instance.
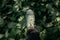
(12, 18)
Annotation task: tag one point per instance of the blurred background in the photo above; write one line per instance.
(13, 19)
